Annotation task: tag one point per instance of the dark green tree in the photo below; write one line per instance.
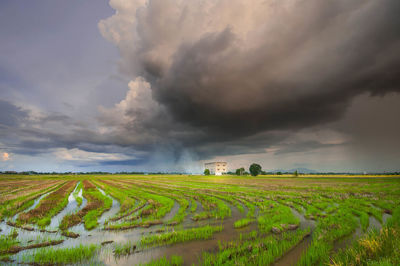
(255, 169)
(296, 173)
(240, 171)
(206, 172)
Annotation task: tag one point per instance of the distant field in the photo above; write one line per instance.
(185, 220)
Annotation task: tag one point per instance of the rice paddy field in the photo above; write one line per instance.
(199, 220)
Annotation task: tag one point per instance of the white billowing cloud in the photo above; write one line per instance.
(138, 102)
(5, 156)
(85, 156)
(135, 119)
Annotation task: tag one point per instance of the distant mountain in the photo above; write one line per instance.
(299, 170)
(303, 170)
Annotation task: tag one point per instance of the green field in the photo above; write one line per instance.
(200, 220)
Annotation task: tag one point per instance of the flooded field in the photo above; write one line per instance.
(186, 220)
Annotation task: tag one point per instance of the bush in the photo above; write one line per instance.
(240, 171)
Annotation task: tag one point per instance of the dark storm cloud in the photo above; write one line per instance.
(10, 114)
(304, 147)
(212, 83)
(298, 66)
(133, 162)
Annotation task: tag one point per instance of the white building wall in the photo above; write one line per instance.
(217, 168)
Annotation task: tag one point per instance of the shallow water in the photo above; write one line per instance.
(358, 233)
(294, 255)
(172, 213)
(188, 250)
(35, 203)
(71, 207)
(115, 207)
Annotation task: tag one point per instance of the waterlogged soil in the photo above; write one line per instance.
(70, 208)
(35, 203)
(115, 207)
(294, 254)
(190, 251)
(172, 213)
(374, 224)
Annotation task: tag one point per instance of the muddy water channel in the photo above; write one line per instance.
(71, 207)
(190, 251)
(293, 256)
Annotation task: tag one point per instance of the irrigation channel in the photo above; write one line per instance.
(139, 220)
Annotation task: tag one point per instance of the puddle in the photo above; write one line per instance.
(374, 224)
(172, 213)
(35, 203)
(188, 250)
(101, 191)
(385, 217)
(115, 207)
(348, 240)
(304, 223)
(71, 207)
(293, 256)
(24, 235)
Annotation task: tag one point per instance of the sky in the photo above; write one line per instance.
(166, 85)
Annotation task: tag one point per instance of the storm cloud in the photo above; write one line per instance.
(233, 69)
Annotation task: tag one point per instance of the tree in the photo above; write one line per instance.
(240, 171)
(296, 173)
(207, 172)
(255, 169)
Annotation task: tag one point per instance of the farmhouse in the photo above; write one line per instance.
(216, 168)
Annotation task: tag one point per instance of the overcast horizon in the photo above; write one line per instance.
(166, 85)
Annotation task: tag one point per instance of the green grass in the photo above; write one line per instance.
(53, 256)
(256, 250)
(214, 208)
(123, 249)
(181, 214)
(169, 238)
(97, 204)
(276, 216)
(193, 205)
(376, 248)
(6, 242)
(49, 206)
(364, 219)
(90, 219)
(12, 207)
(243, 222)
(328, 230)
(126, 199)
